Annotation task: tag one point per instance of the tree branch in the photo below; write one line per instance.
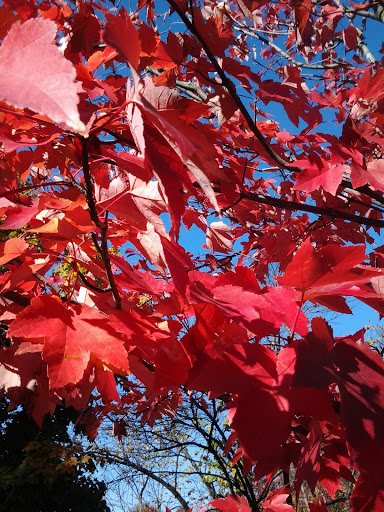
(188, 88)
(319, 210)
(284, 54)
(53, 287)
(92, 286)
(141, 469)
(360, 43)
(102, 226)
(227, 83)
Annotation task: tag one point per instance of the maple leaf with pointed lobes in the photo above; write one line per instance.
(72, 339)
(34, 74)
(276, 502)
(231, 503)
(323, 275)
(18, 215)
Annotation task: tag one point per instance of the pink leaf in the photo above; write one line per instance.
(219, 237)
(34, 74)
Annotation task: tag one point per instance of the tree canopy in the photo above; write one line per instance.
(41, 469)
(130, 132)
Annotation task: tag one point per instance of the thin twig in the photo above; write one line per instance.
(188, 88)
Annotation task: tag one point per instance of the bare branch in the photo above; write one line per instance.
(53, 287)
(360, 43)
(285, 55)
(116, 459)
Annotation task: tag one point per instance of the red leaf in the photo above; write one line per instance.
(359, 373)
(106, 385)
(192, 152)
(316, 173)
(277, 502)
(178, 262)
(219, 237)
(73, 338)
(372, 173)
(368, 494)
(51, 93)
(309, 463)
(121, 34)
(350, 35)
(132, 279)
(360, 377)
(118, 429)
(328, 271)
(19, 215)
(250, 372)
(302, 12)
(231, 503)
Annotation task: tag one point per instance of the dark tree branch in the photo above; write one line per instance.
(238, 466)
(101, 225)
(318, 210)
(227, 83)
(92, 286)
(337, 500)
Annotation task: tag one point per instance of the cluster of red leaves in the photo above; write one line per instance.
(95, 157)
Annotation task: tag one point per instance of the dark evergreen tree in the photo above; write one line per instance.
(42, 470)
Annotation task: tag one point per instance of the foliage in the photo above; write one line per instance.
(258, 125)
(42, 467)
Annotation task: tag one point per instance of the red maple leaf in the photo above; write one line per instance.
(72, 339)
(52, 93)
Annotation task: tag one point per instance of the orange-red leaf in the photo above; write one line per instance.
(12, 249)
